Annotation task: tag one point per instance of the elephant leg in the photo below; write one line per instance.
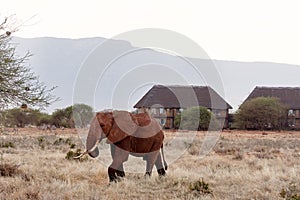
(116, 168)
(150, 160)
(159, 166)
(120, 171)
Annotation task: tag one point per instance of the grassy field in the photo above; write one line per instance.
(242, 165)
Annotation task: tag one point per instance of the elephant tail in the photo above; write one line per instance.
(163, 157)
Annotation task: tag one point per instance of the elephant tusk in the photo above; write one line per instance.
(87, 151)
(76, 157)
(94, 147)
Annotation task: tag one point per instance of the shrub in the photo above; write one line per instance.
(261, 113)
(9, 170)
(68, 141)
(59, 141)
(33, 194)
(292, 192)
(7, 145)
(71, 154)
(196, 118)
(201, 187)
(230, 150)
(41, 142)
(238, 156)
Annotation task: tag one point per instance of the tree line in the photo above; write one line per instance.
(65, 117)
(261, 113)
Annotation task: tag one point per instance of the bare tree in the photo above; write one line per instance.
(19, 86)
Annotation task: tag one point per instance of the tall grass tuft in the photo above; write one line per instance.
(8, 169)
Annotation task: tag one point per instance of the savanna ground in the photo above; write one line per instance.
(242, 165)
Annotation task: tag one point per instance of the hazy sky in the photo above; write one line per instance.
(253, 30)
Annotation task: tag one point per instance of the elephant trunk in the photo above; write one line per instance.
(95, 135)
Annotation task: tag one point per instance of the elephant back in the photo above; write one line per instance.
(143, 119)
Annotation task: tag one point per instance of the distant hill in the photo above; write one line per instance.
(57, 61)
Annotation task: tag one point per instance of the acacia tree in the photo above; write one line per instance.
(261, 113)
(19, 86)
(63, 117)
(79, 114)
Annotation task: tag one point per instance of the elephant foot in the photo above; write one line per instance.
(115, 175)
(120, 173)
(112, 175)
(161, 172)
(147, 175)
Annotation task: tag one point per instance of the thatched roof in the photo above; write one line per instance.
(289, 96)
(182, 97)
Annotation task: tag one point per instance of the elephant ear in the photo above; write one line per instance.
(94, 135)
(125, 124)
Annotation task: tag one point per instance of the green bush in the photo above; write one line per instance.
(197, 118)
(71, 154)
(261, 113)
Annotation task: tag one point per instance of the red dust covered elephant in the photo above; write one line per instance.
(127, 133)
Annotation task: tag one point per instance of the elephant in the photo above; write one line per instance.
(128, 134)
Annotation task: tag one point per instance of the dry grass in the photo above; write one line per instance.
(8, 169)
(248, 165)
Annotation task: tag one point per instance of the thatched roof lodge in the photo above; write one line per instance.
(289, 96)
(164, 102)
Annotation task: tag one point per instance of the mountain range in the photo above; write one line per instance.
(58, 61)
